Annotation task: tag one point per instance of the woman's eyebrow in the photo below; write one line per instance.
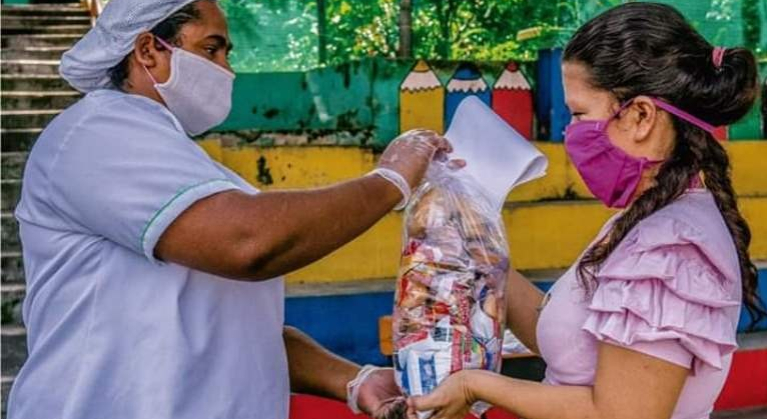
(221, 41)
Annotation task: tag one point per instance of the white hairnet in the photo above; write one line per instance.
(86, 65)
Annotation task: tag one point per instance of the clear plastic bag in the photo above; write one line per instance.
(449, 309)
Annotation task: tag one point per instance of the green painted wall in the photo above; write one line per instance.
(360, 95)
(329, 98)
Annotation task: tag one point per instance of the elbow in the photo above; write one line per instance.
(259, 259)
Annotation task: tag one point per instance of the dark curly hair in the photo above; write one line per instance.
(650, 49)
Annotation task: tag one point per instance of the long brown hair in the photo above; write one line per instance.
(650, 49)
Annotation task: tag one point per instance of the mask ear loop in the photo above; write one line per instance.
(164, 44)
(623, 107)
(705, 126)
(615, 114)
(645, 162)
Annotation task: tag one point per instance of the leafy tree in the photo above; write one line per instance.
(280, 35)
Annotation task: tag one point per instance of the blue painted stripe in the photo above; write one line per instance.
(745, 318)
(551, 110)
(348, 324)
(345, 324)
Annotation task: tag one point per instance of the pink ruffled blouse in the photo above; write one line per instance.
(671, 289)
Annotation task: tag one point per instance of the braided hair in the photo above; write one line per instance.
(650, 49)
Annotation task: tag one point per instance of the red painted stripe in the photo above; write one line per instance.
(311, 407)
(746, 386)
(516, 108)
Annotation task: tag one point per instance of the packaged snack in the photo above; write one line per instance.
(449, 308)
(449, 298)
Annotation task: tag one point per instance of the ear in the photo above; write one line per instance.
(643, 117)
(146, 51)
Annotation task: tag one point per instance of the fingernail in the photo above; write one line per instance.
(456, 164)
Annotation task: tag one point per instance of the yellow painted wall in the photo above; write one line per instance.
(312, 166)
(542, 235)
(547, 235)
(422, 109)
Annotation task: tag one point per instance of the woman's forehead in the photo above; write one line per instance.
(579, 91)
(212, 22)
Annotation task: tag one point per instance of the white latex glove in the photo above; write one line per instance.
(375, 393)
(405, 160)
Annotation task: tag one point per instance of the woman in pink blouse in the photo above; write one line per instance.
(643, 325)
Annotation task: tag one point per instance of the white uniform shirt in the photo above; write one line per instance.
(112, 332)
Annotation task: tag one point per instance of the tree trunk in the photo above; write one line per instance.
(322, 41)
(405, 29)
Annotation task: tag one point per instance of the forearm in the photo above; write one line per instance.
(533, 400)
(522, 302)
(315, 370)
(298, 228)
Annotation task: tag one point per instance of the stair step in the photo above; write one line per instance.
(23, 29)
(19, 139)
(10, 192)
(53, 20)
(33, 53)
(12, 297)
(28, 118)
(11, 268)
(48, 82)
(13, 164)
(40, 100)
(49, 67)
(44, 10)
(38, 40)
(14, 349)
(9, 233)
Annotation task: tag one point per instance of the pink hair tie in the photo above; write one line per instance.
(717, 56)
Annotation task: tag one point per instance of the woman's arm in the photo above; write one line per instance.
(256, 237)
(315, 370)
(522, 302)
(628, 385)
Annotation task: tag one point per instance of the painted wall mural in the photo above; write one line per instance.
(424, 102)
(369, 102)
(513, 99)
(421, 100)
(466, 81)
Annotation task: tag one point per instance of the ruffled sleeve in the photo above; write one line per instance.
(659, 293)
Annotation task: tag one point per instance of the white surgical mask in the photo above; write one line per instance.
(198, 91)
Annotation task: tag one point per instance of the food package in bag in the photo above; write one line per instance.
(449, 309)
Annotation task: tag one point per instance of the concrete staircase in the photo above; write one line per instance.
(33, 93)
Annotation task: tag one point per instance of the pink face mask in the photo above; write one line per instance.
(609, 173)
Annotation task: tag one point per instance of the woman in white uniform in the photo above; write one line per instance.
(154, 284)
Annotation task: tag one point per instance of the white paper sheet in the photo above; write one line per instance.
(496, 155)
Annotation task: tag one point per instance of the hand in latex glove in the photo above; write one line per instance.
(375, 393)
(406, 159)
(410, 154)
